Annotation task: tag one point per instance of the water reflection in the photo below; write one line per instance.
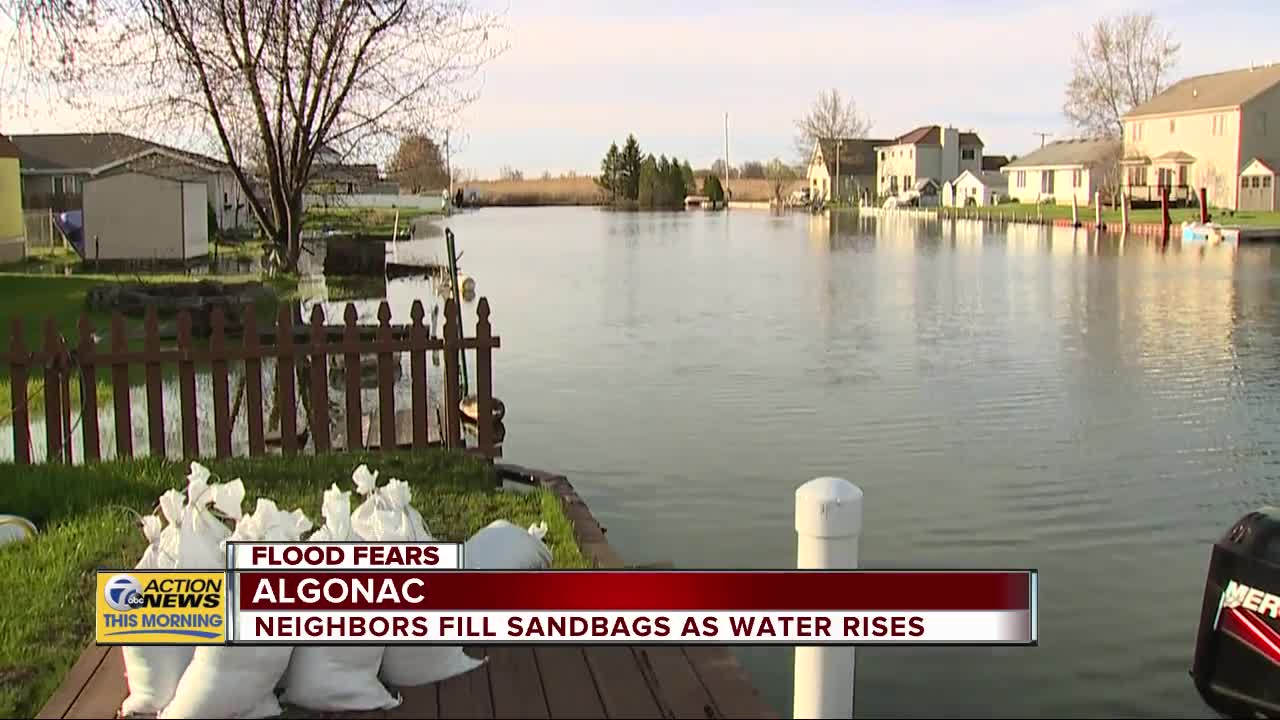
(1094, 406)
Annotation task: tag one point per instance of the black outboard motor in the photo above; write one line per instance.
(1237, 661)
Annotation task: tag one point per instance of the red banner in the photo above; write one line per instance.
(641, 590)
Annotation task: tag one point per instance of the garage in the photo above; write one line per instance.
(1258, 186)
(145, 216)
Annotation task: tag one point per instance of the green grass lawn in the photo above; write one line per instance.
(1022, 211)
(87, 520)
(362, 220)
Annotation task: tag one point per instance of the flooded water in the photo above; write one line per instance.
(1018, 397)
(1006, 397)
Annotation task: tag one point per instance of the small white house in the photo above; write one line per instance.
(143, 216)
(982, 188)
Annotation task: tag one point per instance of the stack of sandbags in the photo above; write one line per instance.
(386, 515)
(343, 677)
(240, 682)
(192, 540)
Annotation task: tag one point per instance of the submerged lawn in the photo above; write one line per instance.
(37, 296)
(87, 519)
(363, 219)
(1022, 211)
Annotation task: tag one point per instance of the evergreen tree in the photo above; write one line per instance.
(687, 171)
(629, 163)
(677, 189)
(712, 188)
(608, 180)
(662, 193)
(649, 185)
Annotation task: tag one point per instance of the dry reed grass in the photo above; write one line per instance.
(584, 191)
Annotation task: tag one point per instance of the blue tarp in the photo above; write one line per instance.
(71, 224)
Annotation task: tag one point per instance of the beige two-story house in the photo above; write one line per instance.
(929, 153)
(1202, 132)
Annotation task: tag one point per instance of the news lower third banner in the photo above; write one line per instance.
(416, 593)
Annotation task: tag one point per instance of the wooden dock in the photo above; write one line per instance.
(517, 682)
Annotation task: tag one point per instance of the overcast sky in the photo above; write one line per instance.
(580, 73)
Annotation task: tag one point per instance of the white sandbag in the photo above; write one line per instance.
(153, 672)
(239, 682)
(230, 682)
(503, 546)
(414, 665)
(336, 678)
(387, 516)
(195, 535)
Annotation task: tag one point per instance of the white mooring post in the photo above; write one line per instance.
(828, 523)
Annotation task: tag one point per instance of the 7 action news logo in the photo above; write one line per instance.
(161, 607)
(124, 593)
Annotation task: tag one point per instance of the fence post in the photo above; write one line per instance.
(828, 525)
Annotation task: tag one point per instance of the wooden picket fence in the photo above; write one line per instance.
(288, 345)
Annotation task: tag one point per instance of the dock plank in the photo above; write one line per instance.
(105, 691)
(624, 690)
(422, 701)
(566, 678)
(675, 684)
(467, 695)
(515, 684)
(74, 683)
(727, 682)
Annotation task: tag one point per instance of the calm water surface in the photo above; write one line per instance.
(1006, 397)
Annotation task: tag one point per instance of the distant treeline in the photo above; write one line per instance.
(632, 178)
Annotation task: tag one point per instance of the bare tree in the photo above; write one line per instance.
(779, 174)
(830, 116)
(1119, 63)
(274, 81)
(418, 165)
(510, 174)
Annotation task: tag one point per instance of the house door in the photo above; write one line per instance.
(1257, 193)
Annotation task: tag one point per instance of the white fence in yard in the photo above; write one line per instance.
(422, 202)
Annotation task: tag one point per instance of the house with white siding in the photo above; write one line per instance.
(1063, 170)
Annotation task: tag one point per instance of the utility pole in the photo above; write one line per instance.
(1042, 135)
(726, 162)
(448, 170)
(836, 184)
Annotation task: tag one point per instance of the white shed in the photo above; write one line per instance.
(137, 215)
(970, 188)
(1258, 186)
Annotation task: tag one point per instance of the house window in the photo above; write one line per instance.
(1182, 175)
(1219, 124)
(1075, 178)
(966, 153)
(65, 185)
(1173, 126)
(1046, 182)
(1266, 181)
(1138, 176)
(1022, 178)
(882, 156)
(1137, 131)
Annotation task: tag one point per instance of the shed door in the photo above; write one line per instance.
(1257, 193)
